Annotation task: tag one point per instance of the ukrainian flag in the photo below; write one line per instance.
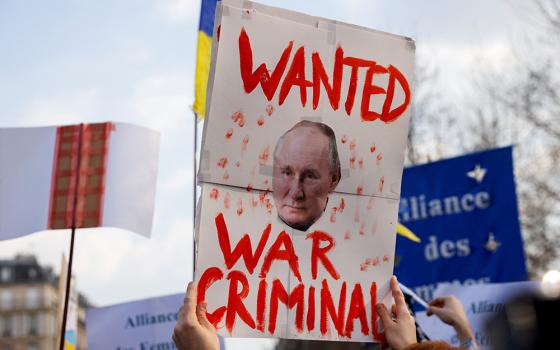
(205, 29)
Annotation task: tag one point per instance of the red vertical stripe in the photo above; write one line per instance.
(92, 175)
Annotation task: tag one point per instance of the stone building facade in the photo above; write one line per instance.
(29, 303)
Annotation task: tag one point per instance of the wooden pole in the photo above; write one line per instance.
(195, 147)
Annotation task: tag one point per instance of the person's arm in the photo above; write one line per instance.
(400, 330)
(450, 310)
(193, 331)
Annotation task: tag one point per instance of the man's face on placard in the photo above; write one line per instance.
(303, 176)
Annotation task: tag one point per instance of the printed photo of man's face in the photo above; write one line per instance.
(306, 170)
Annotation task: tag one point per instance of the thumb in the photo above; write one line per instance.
(201, 315)
(429, 311)
(433, 310)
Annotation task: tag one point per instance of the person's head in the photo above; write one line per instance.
(529, 321)
(306, 171)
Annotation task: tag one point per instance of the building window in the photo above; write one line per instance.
(32, 273)
(6, 326)
(5, 274)
(48, 325)
(6, 299)
(32, 298)
(33, 325)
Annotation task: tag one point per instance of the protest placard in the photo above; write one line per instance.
(301, 167)
(464, 210)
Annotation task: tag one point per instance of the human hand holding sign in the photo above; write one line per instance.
(400, 330)
(450, 310)
(193, 331)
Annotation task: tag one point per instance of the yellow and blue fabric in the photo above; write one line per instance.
(70, 340)
(204, 50)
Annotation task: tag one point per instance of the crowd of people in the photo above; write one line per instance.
(193, 331)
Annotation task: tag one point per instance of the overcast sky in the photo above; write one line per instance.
(133, 61)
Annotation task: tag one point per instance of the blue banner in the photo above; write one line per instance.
(464, 210)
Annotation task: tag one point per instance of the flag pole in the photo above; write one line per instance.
(195, 148)
(71, 254)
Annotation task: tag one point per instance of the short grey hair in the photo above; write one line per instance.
(324, 129)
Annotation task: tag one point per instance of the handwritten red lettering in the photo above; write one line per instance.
(210, 276)
(320, 76)
(269, 83)
(235, 300)
(311, 309)
(320, 253)
(370, 90)
(301, 299)
(275, 253)
(389, 115)
(261, 304)
(327, 307)
(243, 248)
(296, 297)
(356, 309)
(373, 302)
(295, 76)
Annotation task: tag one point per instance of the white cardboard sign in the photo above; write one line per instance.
(301, 167)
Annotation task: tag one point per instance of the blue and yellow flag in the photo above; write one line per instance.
(205, 29)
